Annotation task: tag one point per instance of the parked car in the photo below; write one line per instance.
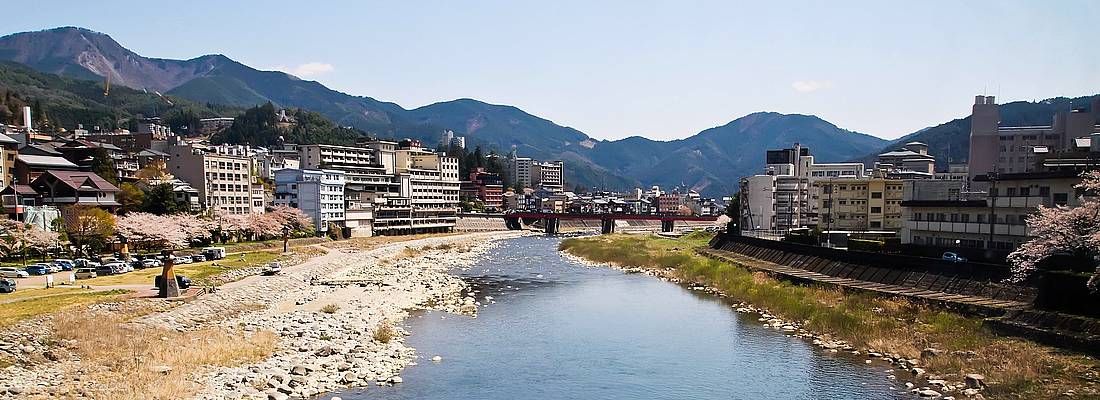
(181, 260)
(7, 285)
(85, 263)
(117, 267)
(12, 272)
(151, 263)
(183, 281)
(949, 256)
(214, 253)
(273, 268)
(37, 269)
(198, 258)
(65, 264)
(85, 273)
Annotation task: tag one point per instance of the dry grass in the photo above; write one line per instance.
(369, 243)
(411, 252)
(330, 308)
(130, 359)
(1013, 367)
(384, 333)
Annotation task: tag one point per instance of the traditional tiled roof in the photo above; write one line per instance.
(80, 180)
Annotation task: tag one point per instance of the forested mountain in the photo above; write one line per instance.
(259, 126)
(710, 161)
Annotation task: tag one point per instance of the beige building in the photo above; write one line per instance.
(942, 213)
(224, 181)
(1017, 149)
(860, 204)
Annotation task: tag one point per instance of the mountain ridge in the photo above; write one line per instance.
(709, 161)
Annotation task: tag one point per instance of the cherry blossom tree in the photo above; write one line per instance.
(1060, 229)
(289, 220)
(40, 240)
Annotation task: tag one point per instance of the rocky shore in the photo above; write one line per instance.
(336, 318)
(908, 372)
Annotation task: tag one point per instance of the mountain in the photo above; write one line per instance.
(66, 102)
(710, 161)
(950, 141)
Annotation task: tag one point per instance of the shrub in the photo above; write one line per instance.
(330, 309)
(384, 333)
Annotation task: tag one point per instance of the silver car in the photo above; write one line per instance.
(10, 272)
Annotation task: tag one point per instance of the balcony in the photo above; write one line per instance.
(1022, 202)
(966, 227)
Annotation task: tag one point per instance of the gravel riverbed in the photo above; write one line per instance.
(325, 312)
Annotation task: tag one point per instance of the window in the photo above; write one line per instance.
(1025, 191)
(916, 216)
(876, 224)
(876, 195)
(1010, 192)
(1044, 191)
(1061, 199)
(876, 210)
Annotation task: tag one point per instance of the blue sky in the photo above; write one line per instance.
(612, 69)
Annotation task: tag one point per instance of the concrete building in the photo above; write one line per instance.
(1016, 149)
(430, 181)
(784, 197)
(63, 188)
(912, 157)
(871, 203)
(521, 171)
(484, 187)
(318, 193)
(224, 181)
(549, 174)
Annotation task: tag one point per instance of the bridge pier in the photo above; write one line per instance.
(667, 225)
(607, 226)
(513, 224)
(551, 225)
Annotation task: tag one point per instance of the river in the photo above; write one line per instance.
(556, 329)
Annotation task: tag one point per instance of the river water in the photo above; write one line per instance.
(557, 329)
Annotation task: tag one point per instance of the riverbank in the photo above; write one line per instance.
(931, 349)
(326, 323)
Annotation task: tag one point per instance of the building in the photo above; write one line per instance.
(358, 214)
(484, 187)
(62, 188)
(521, 170)
(912, 157)
(210, 126)
(550, 174)
(224, 181)
(870, 203)
(9, 149)
(784, 197)
(430, 181)
(1017, 149)
(318, 193)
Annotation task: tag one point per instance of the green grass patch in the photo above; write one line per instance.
(13, 312)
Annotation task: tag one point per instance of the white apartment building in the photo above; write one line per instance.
(318, 193)
(224, 181)
(521, 171)
(549, 175)
(431, 183)
(784, 196)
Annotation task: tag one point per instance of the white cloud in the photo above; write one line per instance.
(811, 86)
(307, 69)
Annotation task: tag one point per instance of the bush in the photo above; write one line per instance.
(384, 333)
(330, 309)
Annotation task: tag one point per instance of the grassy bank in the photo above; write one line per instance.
(1014, 368)
(16, 311)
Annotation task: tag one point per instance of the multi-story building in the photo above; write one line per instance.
(912, 157)
(318, 193)
(484, 187)
(870, 203)
(9, 148)
(784, 197)
(549, 174)
(520, 168)
(430, 181)
(1016, 149)
(224, 181)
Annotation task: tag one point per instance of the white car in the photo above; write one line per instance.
(9, 272)
(151, 263)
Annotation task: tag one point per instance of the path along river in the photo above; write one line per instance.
(552, 328)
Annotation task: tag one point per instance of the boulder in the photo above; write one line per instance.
(299, 370)
(928, 393)
(930, 352)
(975, 381)
(277, 396)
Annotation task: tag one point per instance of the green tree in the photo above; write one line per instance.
(88, 228)
(161, 200)
(104, 166)
(130, 198)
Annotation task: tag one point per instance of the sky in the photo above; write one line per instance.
(612, 69)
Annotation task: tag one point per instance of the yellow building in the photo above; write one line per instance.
(861, 204)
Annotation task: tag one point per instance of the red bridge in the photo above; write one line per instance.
(551, 220)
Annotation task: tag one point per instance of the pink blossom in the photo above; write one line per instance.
(1062, 229)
